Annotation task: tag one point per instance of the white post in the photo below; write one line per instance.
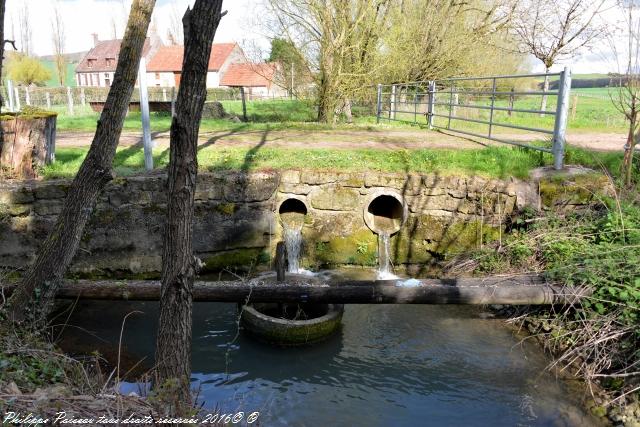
(144, 111)
(48, 98)
(69, 101)
(164, 95)
(392, 110)
(10, 94)
(17, 94)
(173, 101)
(27, 98)
(83, 99)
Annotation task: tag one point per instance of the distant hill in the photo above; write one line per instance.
(70, 57)
(53, 81)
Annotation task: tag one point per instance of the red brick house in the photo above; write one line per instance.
(259, 80)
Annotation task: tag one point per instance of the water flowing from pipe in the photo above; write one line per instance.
(293, 244)
(384, 261)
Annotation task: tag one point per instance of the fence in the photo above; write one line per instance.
(485, 105)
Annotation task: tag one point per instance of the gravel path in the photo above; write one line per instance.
(345, 139)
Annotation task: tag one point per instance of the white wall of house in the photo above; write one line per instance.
(95, 79)
(164, 79)
(213, 79)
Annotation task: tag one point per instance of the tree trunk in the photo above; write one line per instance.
(28, 143)
(545, 88)
(629, 148)
(173, 346)
(40, 283)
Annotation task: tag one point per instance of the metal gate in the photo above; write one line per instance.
(485, 105)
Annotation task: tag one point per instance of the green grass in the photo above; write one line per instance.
(595, 113)
(499, 162)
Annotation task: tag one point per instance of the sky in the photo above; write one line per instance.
(83, 17)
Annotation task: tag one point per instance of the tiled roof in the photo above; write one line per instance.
(104, 56)
(169, 58)
(249, 75)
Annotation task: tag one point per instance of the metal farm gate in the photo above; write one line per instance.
(485, 106)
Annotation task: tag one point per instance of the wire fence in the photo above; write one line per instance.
(486, 107)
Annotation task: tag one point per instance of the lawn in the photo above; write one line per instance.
(497, 162)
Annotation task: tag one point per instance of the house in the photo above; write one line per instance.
(165, 68)
(259, 80)
(97, 67)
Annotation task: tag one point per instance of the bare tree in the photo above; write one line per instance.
(59, 40)
(24, 21)
(626, 97)
(556, 30)
(179, 266)
(36, 291)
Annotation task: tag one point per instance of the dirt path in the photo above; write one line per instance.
(345, 139)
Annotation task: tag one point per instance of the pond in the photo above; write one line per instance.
(401, 365)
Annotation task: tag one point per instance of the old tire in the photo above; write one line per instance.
(257, 322)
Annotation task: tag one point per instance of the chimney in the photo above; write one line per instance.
(95, 39)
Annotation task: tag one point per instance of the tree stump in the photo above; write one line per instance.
(28, 143)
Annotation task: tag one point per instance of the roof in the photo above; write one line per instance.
(169, 58)
(249, 75)
(103, 50)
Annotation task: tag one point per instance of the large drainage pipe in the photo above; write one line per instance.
(518, 290)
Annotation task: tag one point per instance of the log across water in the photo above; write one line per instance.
(513, 290)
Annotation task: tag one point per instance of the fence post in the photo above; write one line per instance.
(69, 101)
(10, 94)
(379, 103)
(511, 100)
(27, 97)
(392, 109)
(164, 94)
(47, 96)
(144, 112)
(17, 94)
(83, 99)
(431, 105)
(244, 104)
(574, 109)
(415, 104)
(562, 111)
(493, 104)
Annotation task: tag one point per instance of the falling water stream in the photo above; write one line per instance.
(384, 262)
(293, 244)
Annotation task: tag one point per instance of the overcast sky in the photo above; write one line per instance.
(84, 17)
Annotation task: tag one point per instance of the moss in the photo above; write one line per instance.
(575, 190)
(226, 208)
(28, 113)
(359, 248)
(243, 258)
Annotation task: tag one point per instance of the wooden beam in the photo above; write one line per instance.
(513, 290)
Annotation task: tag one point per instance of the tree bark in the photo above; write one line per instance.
(28, 144)
(179, 266)
(545, 88)
(37, 289)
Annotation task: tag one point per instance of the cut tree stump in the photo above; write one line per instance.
(28, 144)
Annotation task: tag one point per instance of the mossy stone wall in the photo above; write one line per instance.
(237, 222)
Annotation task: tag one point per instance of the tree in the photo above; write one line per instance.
(36, 291)
(58, 38)
(26, 70)
(294, 70)
(626, 97)
(179, 266)
(339, 38)
(554, 30)
(24, 20)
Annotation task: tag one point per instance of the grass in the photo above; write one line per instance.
(498, 162)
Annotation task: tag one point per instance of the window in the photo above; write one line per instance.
(84, 80)
(91, 63)
(107, 79)
(97, 78)
(111, 62)
(90, 79)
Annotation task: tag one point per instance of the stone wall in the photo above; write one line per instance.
(237, 221)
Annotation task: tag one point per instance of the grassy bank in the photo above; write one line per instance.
(498, 162)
